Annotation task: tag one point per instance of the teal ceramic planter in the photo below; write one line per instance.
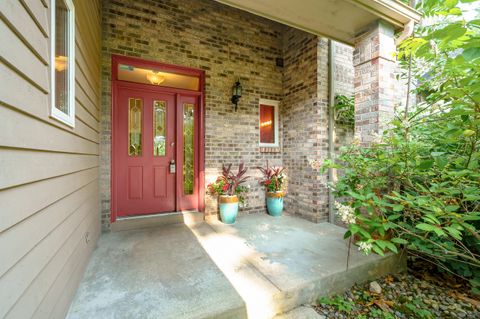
(275, 204)
(228, 209)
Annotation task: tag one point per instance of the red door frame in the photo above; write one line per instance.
(200, 142)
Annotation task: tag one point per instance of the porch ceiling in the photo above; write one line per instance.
(340, 20)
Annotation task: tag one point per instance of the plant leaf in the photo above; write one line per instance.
(399, 241)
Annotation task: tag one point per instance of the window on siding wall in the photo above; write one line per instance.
(268, 123)
(63, 61)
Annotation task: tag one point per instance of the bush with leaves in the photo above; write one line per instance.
(418, 185)
(274, 178)
(230, 183)
(344, 109)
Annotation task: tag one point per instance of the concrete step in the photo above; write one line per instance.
(279, 264)
(302, 312)
(156, 220)
(259, 268)
(160, 272)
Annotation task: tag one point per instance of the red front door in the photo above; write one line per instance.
(144, 147)
(157, 138)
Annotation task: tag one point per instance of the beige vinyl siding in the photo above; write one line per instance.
(49, 197)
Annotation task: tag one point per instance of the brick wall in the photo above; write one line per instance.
(305, 122)
(225, 42)
(375, 81)
(343, 72)
(344, 78)
(228, 44)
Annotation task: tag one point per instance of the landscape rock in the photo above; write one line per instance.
(362, 301)
(375, 288)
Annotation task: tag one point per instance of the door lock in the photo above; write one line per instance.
(172, 167)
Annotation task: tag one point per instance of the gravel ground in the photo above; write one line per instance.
(403, 296)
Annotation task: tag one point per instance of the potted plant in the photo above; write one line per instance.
(274, 180)
(229, 189)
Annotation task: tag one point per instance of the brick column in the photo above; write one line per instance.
(374, 64)
(305, 124)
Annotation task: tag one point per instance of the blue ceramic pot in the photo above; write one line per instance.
(228, 209)
(275, 203)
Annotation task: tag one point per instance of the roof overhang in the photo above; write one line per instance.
(340, 20)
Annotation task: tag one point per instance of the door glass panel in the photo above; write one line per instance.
(134, 127)
(159, 127)
(188, 148)
(158, 77)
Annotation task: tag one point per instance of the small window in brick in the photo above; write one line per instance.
(268, 123)
(63, 61)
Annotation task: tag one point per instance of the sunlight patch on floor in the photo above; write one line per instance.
(231, 255)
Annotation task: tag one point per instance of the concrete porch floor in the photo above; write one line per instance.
(260, 267)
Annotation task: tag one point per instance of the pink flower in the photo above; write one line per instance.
(225, 187)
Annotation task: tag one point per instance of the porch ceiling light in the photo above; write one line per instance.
(236, 93)
(155, 78)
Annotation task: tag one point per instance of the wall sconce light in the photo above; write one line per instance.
(236, 93)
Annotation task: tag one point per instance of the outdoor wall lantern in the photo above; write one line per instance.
(236, 93)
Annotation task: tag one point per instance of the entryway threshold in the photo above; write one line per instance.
(155, 220)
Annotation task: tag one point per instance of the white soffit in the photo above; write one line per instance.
(340, 20)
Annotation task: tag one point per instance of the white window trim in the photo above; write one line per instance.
(275, 104)
(54, 112)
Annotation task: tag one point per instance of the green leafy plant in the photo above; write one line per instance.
(417, 185)
(344, 109)
(338, 302)
(229, 183)
(416, 310)
(274, 178)
(379, 313)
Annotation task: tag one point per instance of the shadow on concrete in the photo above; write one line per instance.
(154, 273)
(261, 266)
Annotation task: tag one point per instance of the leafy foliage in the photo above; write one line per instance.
(376, 307)
(344, 109)
(230, 183)
(339, 302)
(418, 185)
(274, 178)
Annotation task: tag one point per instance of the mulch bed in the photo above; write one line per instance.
(422, 292)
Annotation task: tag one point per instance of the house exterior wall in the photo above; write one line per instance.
(225, 42)
(343, 72)
(49, 211)
(375, 84)
(305, 124)
(228, 44)
(344, 76)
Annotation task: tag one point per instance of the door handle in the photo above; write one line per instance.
(172, 167)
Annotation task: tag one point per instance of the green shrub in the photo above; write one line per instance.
(344, 109)
(418, 185)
